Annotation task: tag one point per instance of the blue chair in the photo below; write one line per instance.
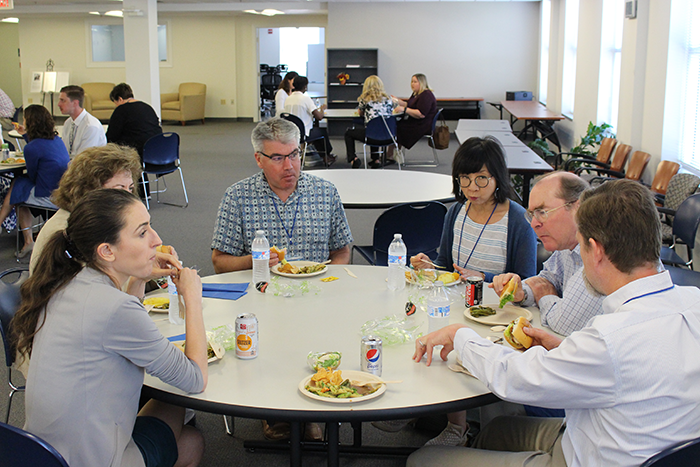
(435, 162)
(686, 454)
(420, 225)
(685, 226)
(380, 132)
(303, 140)
(161, 156)
(9, 303)
(20, 448)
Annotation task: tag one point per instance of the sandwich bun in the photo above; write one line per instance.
(515, 335)
(163, 249)
(280, 253)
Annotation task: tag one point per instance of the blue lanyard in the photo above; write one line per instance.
(294, 223)
(466, 216)
(647, 294)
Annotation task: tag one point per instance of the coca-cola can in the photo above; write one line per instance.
(246, 336)
(371, 355)
(474, 294)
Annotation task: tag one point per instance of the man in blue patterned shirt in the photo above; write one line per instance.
(559, 290)
(298, 211)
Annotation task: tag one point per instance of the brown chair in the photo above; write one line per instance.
(635, 169)
(616, 168)
(603, 156)
(97, 101)
(186, 104)
(664, 173)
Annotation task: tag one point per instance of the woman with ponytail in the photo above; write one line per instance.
(90, 343)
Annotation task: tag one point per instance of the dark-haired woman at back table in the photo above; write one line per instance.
(285, 90)
(90, 343)
(46, 161)
(419, 111)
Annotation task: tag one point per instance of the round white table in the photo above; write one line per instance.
(267, 387)
(371, 189)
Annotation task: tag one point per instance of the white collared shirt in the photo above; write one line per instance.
(88, 133)
(629, 381)
(301, 105)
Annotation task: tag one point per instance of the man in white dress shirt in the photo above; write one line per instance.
(629, 381)
(81, 130)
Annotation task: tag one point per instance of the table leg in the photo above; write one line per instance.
(333, 430)
(295, 444)
(527, 179)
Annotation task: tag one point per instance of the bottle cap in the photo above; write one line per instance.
(397, 235)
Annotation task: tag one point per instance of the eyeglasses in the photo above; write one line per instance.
(482, 181)
(279, 158)
(541, 214)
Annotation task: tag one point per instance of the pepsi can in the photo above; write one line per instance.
(246, 336)
(371, 355)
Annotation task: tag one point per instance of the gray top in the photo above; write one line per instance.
(87, 369)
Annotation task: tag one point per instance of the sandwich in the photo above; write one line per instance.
(508, 294)
(515, 335)
(163, 249)
(280, 253)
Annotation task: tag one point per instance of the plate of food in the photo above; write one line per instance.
(157, 302)
(215, 351)
(13, 162)
(342, 387)
(426, 278)
(491, 315)
(299, 269)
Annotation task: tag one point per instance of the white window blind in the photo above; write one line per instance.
(569, 65)
(690, 126)
(545, 22)
(610, 61)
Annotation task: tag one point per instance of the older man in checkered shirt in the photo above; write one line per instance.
(560, 290)
(7, 111)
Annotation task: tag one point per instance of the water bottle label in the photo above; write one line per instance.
(261, 255)
(397, 259)
(439, 311)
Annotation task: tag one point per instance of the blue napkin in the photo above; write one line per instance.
(224, 291)
(180, 337)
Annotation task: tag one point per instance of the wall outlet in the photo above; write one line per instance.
(223, 101)
(30, 100)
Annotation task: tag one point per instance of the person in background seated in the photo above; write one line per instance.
(373, 102)
(484, 234)
(132, 123)
(284, 90)
(81, 130)
(301, 105)
(47, 158)
(109, 166)
(629, 380)
(298, 211)
(7, 111)
(90, 343)
(419, 110)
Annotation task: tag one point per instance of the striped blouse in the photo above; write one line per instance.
(491, 249)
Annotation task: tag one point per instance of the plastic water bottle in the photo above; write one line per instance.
(5, 151)
(438, 308)
(397, 262)
(261, 258)
(174, 306)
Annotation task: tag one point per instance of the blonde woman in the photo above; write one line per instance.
(419, 111)
(373, 102)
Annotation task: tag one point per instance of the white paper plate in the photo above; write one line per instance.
(157, 293)
(299, 264)
(503, 315)
(359, 376)
(427, 284)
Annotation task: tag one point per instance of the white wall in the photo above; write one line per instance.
(466, 49)
(269, 43)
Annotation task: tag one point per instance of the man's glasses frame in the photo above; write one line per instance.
(279, 158)
(543, 214)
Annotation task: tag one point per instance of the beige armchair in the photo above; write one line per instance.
(97, 101)
(185, 105)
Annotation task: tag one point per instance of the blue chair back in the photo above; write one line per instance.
(20, 448)
(687, 220)
(420, 226)
(686, 454)
(9, 303)
(163, 149)
(435, 120)
(297, 121)
(380, 130)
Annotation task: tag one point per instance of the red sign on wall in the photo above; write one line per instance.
(269, 31)
(6, 5)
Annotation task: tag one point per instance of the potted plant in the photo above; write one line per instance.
(588, 146)
(343, 77)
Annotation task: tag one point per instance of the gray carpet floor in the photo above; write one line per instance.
(214, 156)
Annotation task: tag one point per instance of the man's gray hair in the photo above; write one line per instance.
(274, 129)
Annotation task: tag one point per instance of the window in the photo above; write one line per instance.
(569, 66)
(610, 60)
(545, 24)
(689, 150)
(106, 44)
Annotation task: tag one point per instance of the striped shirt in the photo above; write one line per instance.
(491, 249)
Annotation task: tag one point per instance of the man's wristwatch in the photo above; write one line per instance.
(524, 297)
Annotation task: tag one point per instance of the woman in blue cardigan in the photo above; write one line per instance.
(484, 234)
(47, 158)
